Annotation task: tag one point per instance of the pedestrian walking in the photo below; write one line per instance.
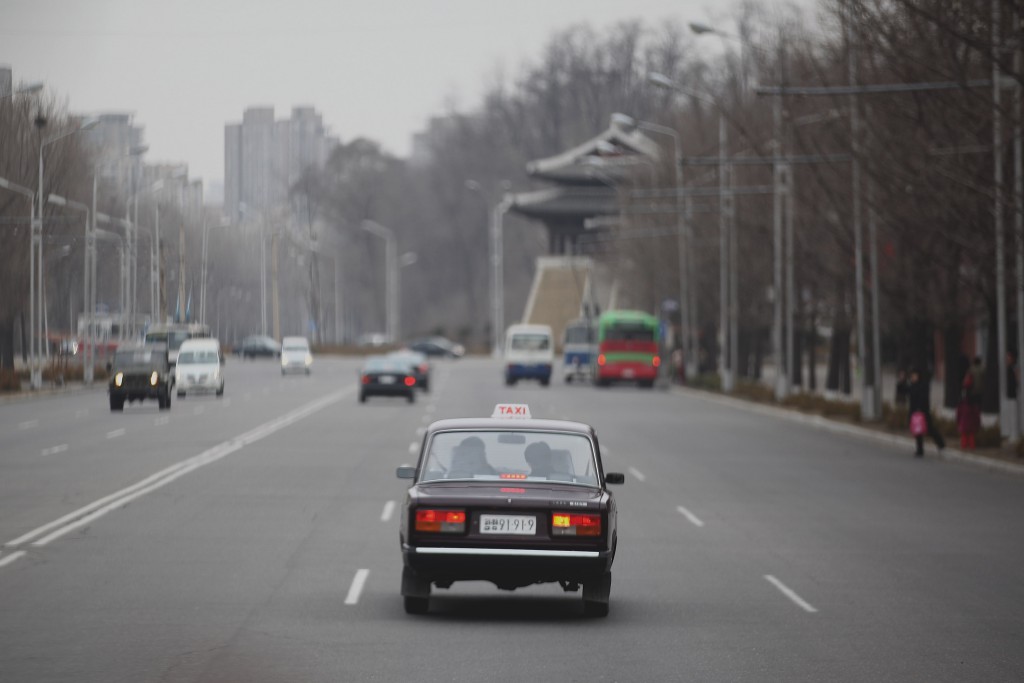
(920, 412)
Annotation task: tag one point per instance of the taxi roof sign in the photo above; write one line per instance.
(512, 410)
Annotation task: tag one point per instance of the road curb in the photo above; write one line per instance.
(950, 454)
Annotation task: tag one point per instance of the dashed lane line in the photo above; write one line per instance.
(389, 508)
(161, 421)
(116, 433)
(357, 587)
(693, 519)
(637, 474)
(54, 450)
(413, 447)
(790, 593)
(28, 424)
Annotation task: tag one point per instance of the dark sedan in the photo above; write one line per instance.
(439, 347)
(257, 346)
(511, 500)
(418, 364)
(382, 376)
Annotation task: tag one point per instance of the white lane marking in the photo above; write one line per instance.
(637, 474)
(790, 593)
(199, 410)
(98, 508)
(694, 519)
(28, 424)
(4, 561)
(389, 507)
(357, 587)
(54, 450)
(81, 413)
(413, 447)
(161, 421)
(116, 433)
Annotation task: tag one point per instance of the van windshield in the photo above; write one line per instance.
(530, 342)
(190, 357)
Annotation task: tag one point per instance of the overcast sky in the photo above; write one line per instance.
(374, 68)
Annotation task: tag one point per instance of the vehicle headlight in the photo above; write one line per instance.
(118, 379)
(309, 359)
(153, 378)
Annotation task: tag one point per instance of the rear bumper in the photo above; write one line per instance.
(629, 372)
(506, 567)
(396, 389)
(528, 370)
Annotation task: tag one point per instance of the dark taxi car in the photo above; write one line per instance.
(382, 376)
(140, 372)
(511, 500)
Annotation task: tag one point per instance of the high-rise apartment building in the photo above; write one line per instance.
(264, 157)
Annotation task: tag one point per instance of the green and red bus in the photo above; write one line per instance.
(627, 348)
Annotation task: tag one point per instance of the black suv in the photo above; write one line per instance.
(140, 372)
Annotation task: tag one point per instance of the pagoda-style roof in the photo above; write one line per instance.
(566, 202)
(613, 153)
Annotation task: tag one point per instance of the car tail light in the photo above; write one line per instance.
(656, 361)
(410, 381)
(572, 524)
(601, 360)
(366, 379)
(442, 521)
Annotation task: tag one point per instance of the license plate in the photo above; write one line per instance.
(519, 525)
(386, 379)
(628, 372)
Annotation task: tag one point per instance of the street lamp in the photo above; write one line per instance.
(36, 257)
(391, 274)
(87, 371)
(687, 299)
(497, 240)
(728, 309)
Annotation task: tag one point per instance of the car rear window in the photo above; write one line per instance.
(510, 455)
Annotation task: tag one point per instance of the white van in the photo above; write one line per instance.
(200, 368)
(295, 355)
(529, 353)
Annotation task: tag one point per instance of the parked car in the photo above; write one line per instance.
(296, 355)
(257, 346)
(438, 347)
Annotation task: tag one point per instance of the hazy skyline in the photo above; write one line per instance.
(373, 69)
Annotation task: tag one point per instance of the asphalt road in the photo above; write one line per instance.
(254, 538)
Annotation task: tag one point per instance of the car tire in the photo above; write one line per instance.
(116, 404)
(416, 605)
(181, 394)
(362, 397)
(545, 381)
(595, 595)
(411, 398)
(220, 392)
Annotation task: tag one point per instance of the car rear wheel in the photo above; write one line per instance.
(362, 397)
(116, 403)
(595, 595)
(411, 397)
(416, 605)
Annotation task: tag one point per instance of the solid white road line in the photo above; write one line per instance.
(389, 507)
(116, 433)
(55, 449)
(357, 587)
(790, 593)
(28, 424)
(637, 474)
(4, 561)
(694, 519)
(98, 508)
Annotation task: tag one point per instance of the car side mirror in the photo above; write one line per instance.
(615, 478)
(406, 472)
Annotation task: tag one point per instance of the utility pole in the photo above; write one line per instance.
(273, 276)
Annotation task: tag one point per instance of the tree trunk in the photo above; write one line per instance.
(838, 378)
(812, 353)
(7, 344)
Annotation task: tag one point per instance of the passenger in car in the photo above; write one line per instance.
(538, 457)
(469, 458)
